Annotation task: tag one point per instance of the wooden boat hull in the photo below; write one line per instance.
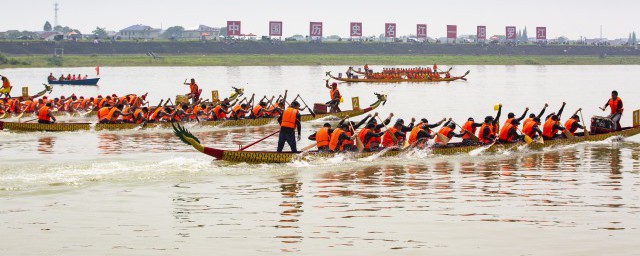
(87, 82)
(364, 73)
(401, 80)
(274, 157)
(59, 127)
(47, 89)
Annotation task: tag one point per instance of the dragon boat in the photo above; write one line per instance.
(450, 149)
(398, 80)
(58, 127)
(360, 72)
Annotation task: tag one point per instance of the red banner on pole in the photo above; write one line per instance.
(233, 28)
(315, 29)
(510, 33)
(275, 28)
(389, 30)
(452, 31)
(541, 33)
(481, 33)
(355, 29)
(421, 31)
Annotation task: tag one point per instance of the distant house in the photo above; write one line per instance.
(48, 35)
(139, 32)
(201, 32)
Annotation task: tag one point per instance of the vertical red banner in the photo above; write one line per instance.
(452, 31)
(510, 33)
(389, 30)
(421, 31)
(481, 33)
(315, 29)
(541, 33)
(355, 29)
(233, 28)
(275, 28)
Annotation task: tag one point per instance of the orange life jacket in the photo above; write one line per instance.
(43, 114)
(333, 93)
(569, 124)
(468, 126)
(154, 115)
(219, 113)
(289, 118)
(528, 128)
(322, 137)
(482, 128)
(362, 134)
(102, 113)
(387, 139)
(613, 104)
(444, 131)
(137, 116)
(195, 111)
(504, 133)
(335, 138)
(413, 137)
(125, 110)
(256, 111)
(549, 130)
(193, 88)
(234, 111)
(112, 116)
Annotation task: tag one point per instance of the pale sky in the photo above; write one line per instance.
(572, 18)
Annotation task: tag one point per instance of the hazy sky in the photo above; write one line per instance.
(572, 18)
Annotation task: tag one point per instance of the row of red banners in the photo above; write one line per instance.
(355, 30)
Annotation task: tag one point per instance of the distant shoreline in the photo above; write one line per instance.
(39, 61)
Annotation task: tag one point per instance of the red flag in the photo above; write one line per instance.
(97, 70)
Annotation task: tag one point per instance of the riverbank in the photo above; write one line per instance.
(309, 59)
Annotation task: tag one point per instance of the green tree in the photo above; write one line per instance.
(100, 32)
(173, 32)
(47, 26)
(525, 37)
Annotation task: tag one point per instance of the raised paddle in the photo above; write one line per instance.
(393, 136)
(307, 106)
(473, 136)
(359, 144)
(586, 131)
(258, 141)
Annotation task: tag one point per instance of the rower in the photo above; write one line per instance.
(180, 114)
(45, 116)
(551, 127)
(338, 138)
(487, 133)
(322, 137)
(6, 86)
(260, 110)
(374, 142)
(532, 116)
(114, 113)
(366, 68)
(471, 127)
(509, 132)
(448, 131)
(220, 112)
(335, 97)
(370, 138)
(615, 104)
(159, 113)
(51, 77)
(289, 121)
(239, 111)
(194, 92)
(139, 115)
(511, 116)
(399, 130)
(532, 128)
(573, 123)
(102, 113)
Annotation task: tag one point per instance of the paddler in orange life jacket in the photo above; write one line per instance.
(373, 142)
(289, 121)
(194, 91)
(45, 116)
(532, 128)
(114, 113)
(511, 116)
(471, 126)
(448, 130)
(422, 132)
(335, 97)
(260, 110)
(239, 111)
(532, 116)
(180, 114)
(350, 131)
(573, 123)
(338, 141)
(615, 104)
(400, 132)
(322, 137)
(509, 132)
(552, 125)
(487, 132)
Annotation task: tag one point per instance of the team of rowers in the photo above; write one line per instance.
(418, 73)
(69, 77)
(346, 137)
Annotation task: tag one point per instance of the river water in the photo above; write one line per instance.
(145, 193)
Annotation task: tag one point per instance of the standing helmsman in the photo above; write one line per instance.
(194, 91)
(6, 86)
(290, 121)
(615, 103)
(335, 97)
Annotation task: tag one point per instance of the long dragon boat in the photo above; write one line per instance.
(397, 80)
(359, 72)
(47, 89)
(450, 149)
(64, 127)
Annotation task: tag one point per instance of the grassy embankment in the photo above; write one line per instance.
(309, 59)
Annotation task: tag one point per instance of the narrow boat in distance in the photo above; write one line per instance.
(398, 80)
(85, 82)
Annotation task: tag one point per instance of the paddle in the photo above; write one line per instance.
(30, 120)
(306, 106)
(473, 136)
(258, 141)
(393, 136)
(527, 139)
(359, 144)
(586, 131)
(307, 148)
(444, 140)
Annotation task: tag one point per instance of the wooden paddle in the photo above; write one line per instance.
(393, 136)
(444, 140)
(586, 131)
(258, 141)
(359, 144)
(307, 148)
(306, 106)
(473, 136)
(527, 139)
